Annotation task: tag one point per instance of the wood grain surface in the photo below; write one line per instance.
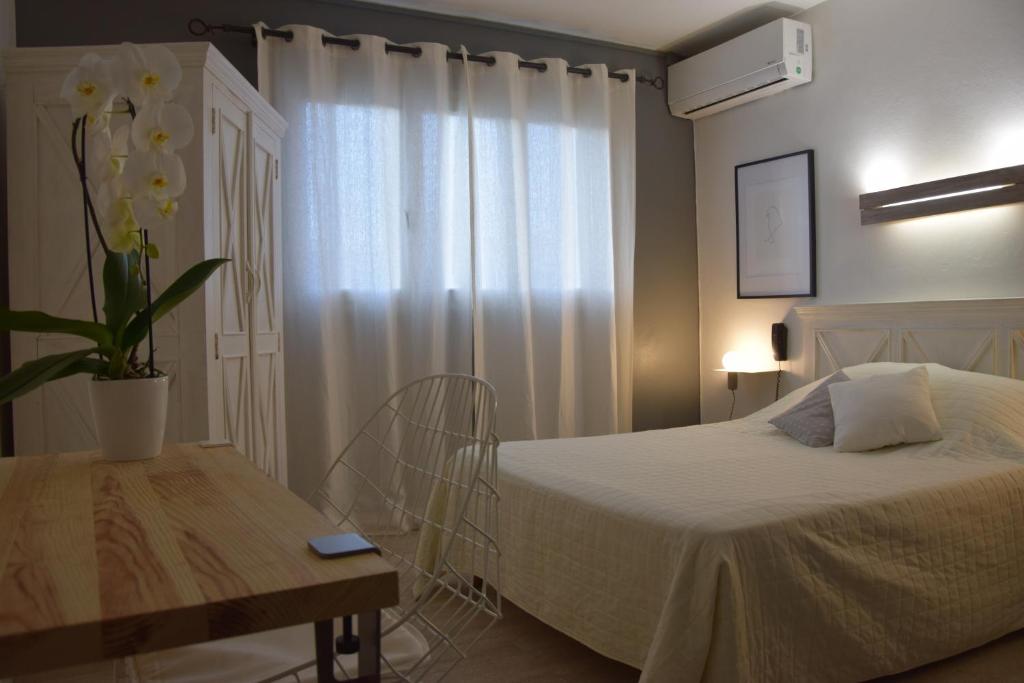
(101, 559)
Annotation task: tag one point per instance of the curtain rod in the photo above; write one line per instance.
(198, 27)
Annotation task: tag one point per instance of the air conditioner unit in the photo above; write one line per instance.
(767, 60)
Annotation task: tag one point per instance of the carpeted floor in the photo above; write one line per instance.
(520, 648)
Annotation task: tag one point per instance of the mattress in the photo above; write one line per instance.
(730, 552)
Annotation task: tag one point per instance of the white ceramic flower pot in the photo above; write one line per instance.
(130, 416)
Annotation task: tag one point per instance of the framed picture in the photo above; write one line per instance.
(775, 227)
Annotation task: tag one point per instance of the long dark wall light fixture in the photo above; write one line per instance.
(972, 191)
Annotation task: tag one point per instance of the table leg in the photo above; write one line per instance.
(369, 649)
(369, 645)
(323, 634)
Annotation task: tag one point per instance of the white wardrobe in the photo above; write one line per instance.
(223, 347)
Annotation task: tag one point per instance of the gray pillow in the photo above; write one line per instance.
(811, 421)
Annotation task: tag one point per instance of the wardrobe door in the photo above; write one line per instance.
(231, 374)
(267, 358)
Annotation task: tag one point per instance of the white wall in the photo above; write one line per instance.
(904, 91)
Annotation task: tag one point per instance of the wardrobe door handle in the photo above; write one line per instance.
(250, 275)
(216, 346)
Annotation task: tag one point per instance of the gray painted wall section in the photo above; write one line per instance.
(666, 322)
(7, 39)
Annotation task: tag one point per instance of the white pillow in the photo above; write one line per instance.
(967, 403)
(884, 410)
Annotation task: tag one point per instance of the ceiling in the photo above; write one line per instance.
(682, 26)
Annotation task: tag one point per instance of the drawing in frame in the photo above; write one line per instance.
(775, 250)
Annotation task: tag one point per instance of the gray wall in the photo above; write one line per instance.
(667, 378)
(6, 40)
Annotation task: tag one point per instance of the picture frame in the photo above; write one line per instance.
(775, 227)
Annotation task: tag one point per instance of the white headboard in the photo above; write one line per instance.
(981, 335)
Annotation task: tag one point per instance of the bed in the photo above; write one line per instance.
(729, 552)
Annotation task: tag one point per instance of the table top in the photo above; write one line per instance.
(103, 559)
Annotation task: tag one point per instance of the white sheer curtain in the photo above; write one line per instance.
(395, 168)
(554, 178)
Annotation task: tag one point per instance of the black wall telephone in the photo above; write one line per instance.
(779, 345)
(780, 350)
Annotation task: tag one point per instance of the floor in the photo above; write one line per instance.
(519, 648)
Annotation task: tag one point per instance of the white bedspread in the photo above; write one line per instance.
(730, 552)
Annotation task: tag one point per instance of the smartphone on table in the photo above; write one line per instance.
(341, 545)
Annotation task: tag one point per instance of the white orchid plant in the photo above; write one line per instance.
(125, 136)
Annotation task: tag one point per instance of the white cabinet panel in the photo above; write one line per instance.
(233, 333)
(265, 258)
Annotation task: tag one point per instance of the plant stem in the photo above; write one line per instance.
(80, 163)
(96, 223)
(149, 287)
(117, 365)
(149, 301)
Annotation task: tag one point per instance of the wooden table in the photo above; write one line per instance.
(102, 559)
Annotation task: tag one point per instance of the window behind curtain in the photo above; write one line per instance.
(392, 223)
(383, 229)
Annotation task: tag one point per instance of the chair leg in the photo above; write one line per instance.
(369, 649)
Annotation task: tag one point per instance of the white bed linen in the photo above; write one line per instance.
(730, 552)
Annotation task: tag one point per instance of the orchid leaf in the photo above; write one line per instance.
(37, 372)
(124, 293)
(86, 366)
(37, 321)
(182, 288)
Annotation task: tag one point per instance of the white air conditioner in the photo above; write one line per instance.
(767, 60)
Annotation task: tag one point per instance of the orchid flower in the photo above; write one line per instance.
(107, 154)
(89, 88)
(162, 127)
(153, 213)
(97, 122)
(147, 73)
(154, 176)
(117, 218)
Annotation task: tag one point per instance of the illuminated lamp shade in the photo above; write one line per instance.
(973, 191)
(733, 361)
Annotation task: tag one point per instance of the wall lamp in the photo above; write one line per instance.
(972, 191)
(734, 364)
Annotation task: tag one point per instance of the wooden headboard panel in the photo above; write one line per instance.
(980, 335)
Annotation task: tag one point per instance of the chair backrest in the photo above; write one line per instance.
(420, 481)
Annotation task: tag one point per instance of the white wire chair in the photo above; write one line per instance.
(420, 481)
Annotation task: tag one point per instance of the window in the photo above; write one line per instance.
(400, 214)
